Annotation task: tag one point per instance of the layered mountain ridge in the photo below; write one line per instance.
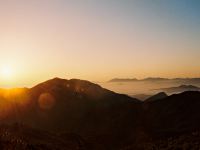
(103, 118)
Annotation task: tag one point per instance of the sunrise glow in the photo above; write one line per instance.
(7, 72)
(98, 40)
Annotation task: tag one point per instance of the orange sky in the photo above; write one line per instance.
(97, 40)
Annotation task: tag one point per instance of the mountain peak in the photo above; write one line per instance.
(158, 96)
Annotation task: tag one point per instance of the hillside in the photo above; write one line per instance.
(79, 111)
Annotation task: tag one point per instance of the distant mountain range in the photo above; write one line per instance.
(77, 114)
(152, 79)
(180, 89)
(123, 80)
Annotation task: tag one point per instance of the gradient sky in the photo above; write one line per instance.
(98, 39)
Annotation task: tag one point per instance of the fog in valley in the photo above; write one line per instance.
(145, 87)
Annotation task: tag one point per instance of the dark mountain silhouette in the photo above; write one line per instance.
(170, 123)
(176, 113)
(180, 89)
(75, 106)
(141, 97)
(158, 96)
(77, 114)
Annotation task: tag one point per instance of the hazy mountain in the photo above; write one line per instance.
(179, 89)
(157, 79)
(122, 80)
(151, 79)
(158, 96)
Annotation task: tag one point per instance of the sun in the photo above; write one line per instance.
(6, 72)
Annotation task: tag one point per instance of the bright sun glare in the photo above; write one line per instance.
(6, 72)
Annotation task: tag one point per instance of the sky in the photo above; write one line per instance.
(98, 40)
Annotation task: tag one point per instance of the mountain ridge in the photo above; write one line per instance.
(154, 79)
(100, 116)
(180, 89)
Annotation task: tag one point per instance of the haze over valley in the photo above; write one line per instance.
(150, 86)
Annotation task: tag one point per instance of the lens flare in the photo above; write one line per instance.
(46, 101)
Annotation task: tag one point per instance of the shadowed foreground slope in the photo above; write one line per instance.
(22, 137)
(171, 123)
